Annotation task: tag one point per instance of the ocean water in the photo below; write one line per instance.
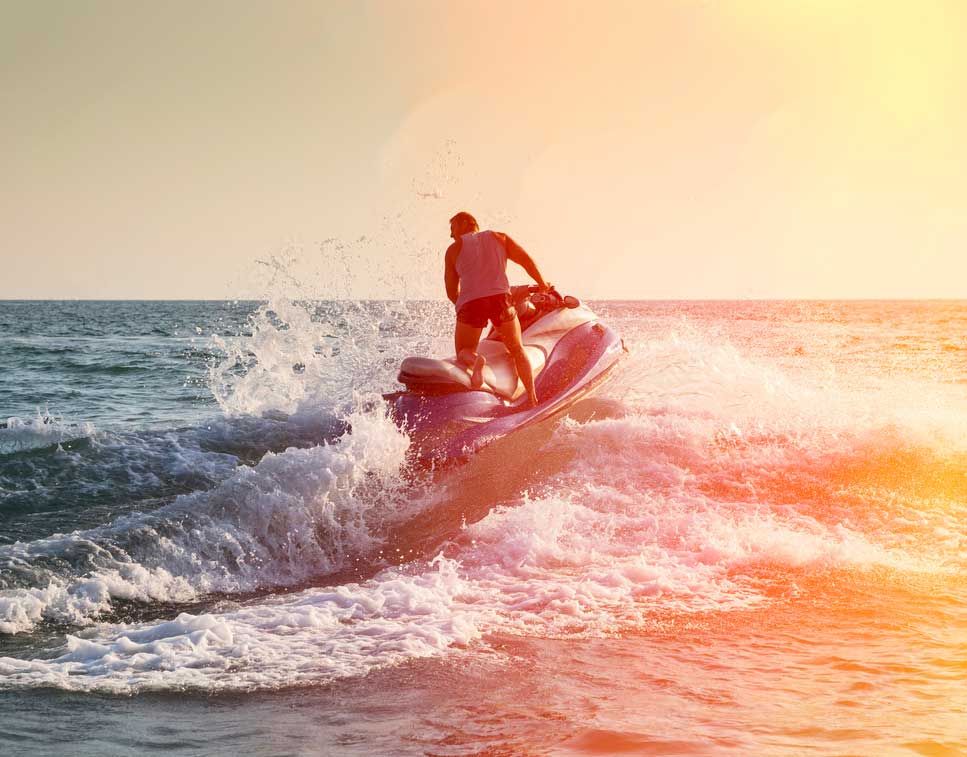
(752, 540)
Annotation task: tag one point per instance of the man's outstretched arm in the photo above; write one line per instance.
(517, 254)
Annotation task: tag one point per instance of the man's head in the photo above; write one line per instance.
(462, 223)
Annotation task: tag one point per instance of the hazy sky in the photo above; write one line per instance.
(649, 149)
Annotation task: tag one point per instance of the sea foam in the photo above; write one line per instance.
(44, 429)
(306, 638)
(296, 515)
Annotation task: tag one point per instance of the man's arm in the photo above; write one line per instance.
(517, 254)
(450, 277)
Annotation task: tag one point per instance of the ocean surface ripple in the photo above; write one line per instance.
(751, 540)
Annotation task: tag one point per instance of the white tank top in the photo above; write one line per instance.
(481, 266)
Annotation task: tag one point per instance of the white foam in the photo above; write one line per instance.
(706, 496)
(306, 638)
(296, 515)
(43, 430)
(602, 560)
(296, 361)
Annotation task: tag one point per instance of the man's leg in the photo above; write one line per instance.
(465, 340)
(510, 334)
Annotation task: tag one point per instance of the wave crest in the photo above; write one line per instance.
(294, 516)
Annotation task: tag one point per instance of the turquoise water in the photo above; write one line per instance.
(117, 364)
(751, 541)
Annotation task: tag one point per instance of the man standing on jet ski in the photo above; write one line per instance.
(477, 285)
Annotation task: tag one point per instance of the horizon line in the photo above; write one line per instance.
(404, 299)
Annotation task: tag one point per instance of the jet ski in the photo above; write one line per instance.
(571, 352)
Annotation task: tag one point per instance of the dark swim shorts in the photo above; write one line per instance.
(497, 308)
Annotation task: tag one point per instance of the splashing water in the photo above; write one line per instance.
(740, 502)
(296, 515)
(43, 430)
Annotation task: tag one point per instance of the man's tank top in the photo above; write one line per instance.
(481, 266)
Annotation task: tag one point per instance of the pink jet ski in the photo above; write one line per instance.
(571, 352)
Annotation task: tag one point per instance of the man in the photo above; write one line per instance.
(476, 281)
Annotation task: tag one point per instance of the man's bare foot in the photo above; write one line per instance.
(533, 400)
(476, 377)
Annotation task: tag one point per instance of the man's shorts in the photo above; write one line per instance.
(497, 308)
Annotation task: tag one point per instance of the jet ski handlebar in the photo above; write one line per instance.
(550, 298)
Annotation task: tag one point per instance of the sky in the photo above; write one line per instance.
(656, 149)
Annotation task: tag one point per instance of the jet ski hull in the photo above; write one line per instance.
(451, 426)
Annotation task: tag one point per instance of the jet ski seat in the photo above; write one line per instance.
(431, 375)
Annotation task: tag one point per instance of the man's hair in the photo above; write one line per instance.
(464, 217)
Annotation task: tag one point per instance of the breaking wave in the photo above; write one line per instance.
(704, 482)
